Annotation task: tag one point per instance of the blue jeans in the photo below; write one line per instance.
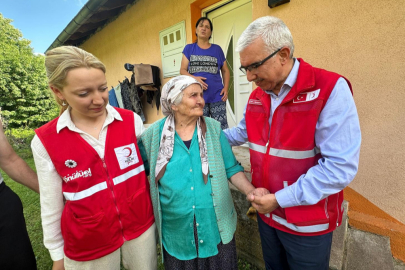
(283, 251)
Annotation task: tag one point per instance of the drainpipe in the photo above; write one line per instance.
(84, 14)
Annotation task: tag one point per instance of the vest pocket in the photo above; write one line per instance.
(85, 234)
(308, 214)
(140, 206)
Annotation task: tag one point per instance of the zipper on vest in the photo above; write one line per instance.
(337, 208)
(115, 201)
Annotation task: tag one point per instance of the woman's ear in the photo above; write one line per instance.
(57, 92)
(174, 108)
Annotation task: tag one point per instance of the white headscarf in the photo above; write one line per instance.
(171, 90)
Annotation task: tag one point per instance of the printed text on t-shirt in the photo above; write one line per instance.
(202, 63)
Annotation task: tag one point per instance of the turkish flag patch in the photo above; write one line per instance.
(307, 96)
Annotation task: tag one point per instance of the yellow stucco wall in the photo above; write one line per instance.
(134, 38)
(362, 40)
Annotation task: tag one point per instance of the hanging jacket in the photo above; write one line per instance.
(281, 154)
(125, 94)
(135, 100)
(107, 200)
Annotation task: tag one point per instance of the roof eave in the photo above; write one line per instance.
(84, 14)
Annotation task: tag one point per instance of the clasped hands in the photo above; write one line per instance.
(262, 200)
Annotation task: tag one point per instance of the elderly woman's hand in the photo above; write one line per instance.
(257, 192)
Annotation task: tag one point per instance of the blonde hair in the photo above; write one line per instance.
(59, 61)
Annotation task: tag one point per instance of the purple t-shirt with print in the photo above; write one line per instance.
(207, 63)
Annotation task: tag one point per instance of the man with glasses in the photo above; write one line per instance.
(304, 138)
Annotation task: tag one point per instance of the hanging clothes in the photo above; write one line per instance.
(136, 101)
(125, 93)
(143, 74)
(157, 83)
(118, 95)
(149, 81)
(112, 99)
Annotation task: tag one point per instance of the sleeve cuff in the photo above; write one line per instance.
(234, 170)
(57, 254)
(285, 198)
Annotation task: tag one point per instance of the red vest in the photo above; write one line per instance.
(281, 154)
(107, 200)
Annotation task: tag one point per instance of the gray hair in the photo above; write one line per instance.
(272, 30)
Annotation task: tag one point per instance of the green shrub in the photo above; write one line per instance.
(20, 139)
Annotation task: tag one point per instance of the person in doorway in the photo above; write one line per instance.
(15, 246)
(95, 201)
(304, 138)
(204, 62)
(191, 162)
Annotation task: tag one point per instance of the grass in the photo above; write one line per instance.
(32, 213)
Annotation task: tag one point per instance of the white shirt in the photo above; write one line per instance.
(50, 183)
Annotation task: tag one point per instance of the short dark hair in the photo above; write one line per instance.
(202, 19)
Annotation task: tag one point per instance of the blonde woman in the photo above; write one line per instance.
(95, 200)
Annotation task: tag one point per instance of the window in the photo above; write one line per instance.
(172, 42)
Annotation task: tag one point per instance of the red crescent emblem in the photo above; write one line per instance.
(130, 151)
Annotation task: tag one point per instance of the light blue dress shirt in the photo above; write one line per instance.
(337, 136)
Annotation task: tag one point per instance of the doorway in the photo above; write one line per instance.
(230, 19)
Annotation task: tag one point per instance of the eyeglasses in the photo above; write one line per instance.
(256, 65)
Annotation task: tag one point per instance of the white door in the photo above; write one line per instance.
(229, 21)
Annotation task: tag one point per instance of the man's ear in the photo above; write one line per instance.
(284, 55)
(57, 92)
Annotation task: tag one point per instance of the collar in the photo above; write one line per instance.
(292, 77)
(66, 121)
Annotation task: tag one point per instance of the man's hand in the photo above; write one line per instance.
(58, 265)
(264, 204)
(224, 92)
(257, 192)
(201, 80)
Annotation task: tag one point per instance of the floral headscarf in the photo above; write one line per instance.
(171, 90)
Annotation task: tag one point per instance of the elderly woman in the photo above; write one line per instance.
(190, 161)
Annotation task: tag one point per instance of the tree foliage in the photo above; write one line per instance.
(24, 96)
